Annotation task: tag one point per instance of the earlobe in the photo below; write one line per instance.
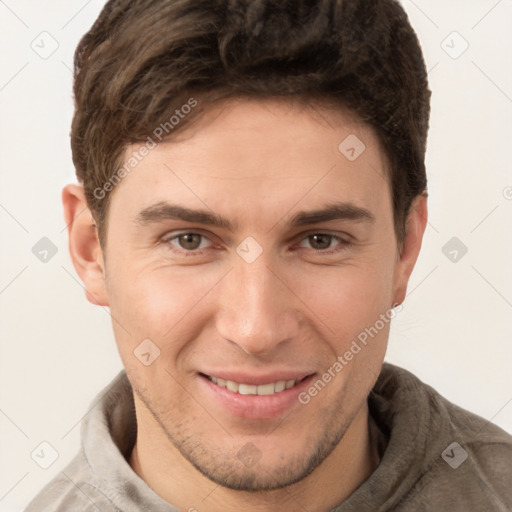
(84, 247)
(415, 228)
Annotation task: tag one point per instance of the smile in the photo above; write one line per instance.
(251, 389)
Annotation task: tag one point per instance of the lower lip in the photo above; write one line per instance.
(256, 406)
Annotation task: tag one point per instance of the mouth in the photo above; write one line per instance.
(270, 388)
(255, 398)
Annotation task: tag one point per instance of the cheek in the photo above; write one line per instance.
(349, 300)
(154, 303)
(356, 307)
(154, 316)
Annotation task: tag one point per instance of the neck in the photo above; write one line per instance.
(155, 459)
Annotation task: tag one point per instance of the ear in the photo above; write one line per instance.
(84, 245)
(414, 230)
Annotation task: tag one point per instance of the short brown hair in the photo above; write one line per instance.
(144, 59)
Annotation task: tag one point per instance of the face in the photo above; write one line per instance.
(251, 254)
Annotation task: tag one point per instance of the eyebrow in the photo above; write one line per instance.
(163, 211)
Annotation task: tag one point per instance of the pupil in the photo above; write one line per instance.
(324, 241)
(190, 241)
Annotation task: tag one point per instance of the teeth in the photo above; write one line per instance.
(280, 386)
(247, 389)
(232, 386)
(266, 389)
(250, 389)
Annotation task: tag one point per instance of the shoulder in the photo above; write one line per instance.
(466, 460)
(483, 450)
(471, 467)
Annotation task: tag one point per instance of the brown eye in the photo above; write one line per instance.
(325, 243)
(320, 241)
(189, 241)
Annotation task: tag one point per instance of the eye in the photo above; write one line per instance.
(322, 242)
(193, 243)
(189, 242)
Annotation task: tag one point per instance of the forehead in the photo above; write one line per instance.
(253, 127)
(244, 154)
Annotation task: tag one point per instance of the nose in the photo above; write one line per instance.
(257, 309)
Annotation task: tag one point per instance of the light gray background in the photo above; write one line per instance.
(57, 350)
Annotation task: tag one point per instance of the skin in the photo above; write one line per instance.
(296, 307)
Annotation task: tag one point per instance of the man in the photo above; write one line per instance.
(252, 202)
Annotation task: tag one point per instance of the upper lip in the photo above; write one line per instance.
(257, 380)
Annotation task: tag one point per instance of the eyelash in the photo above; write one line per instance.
(343, 244)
